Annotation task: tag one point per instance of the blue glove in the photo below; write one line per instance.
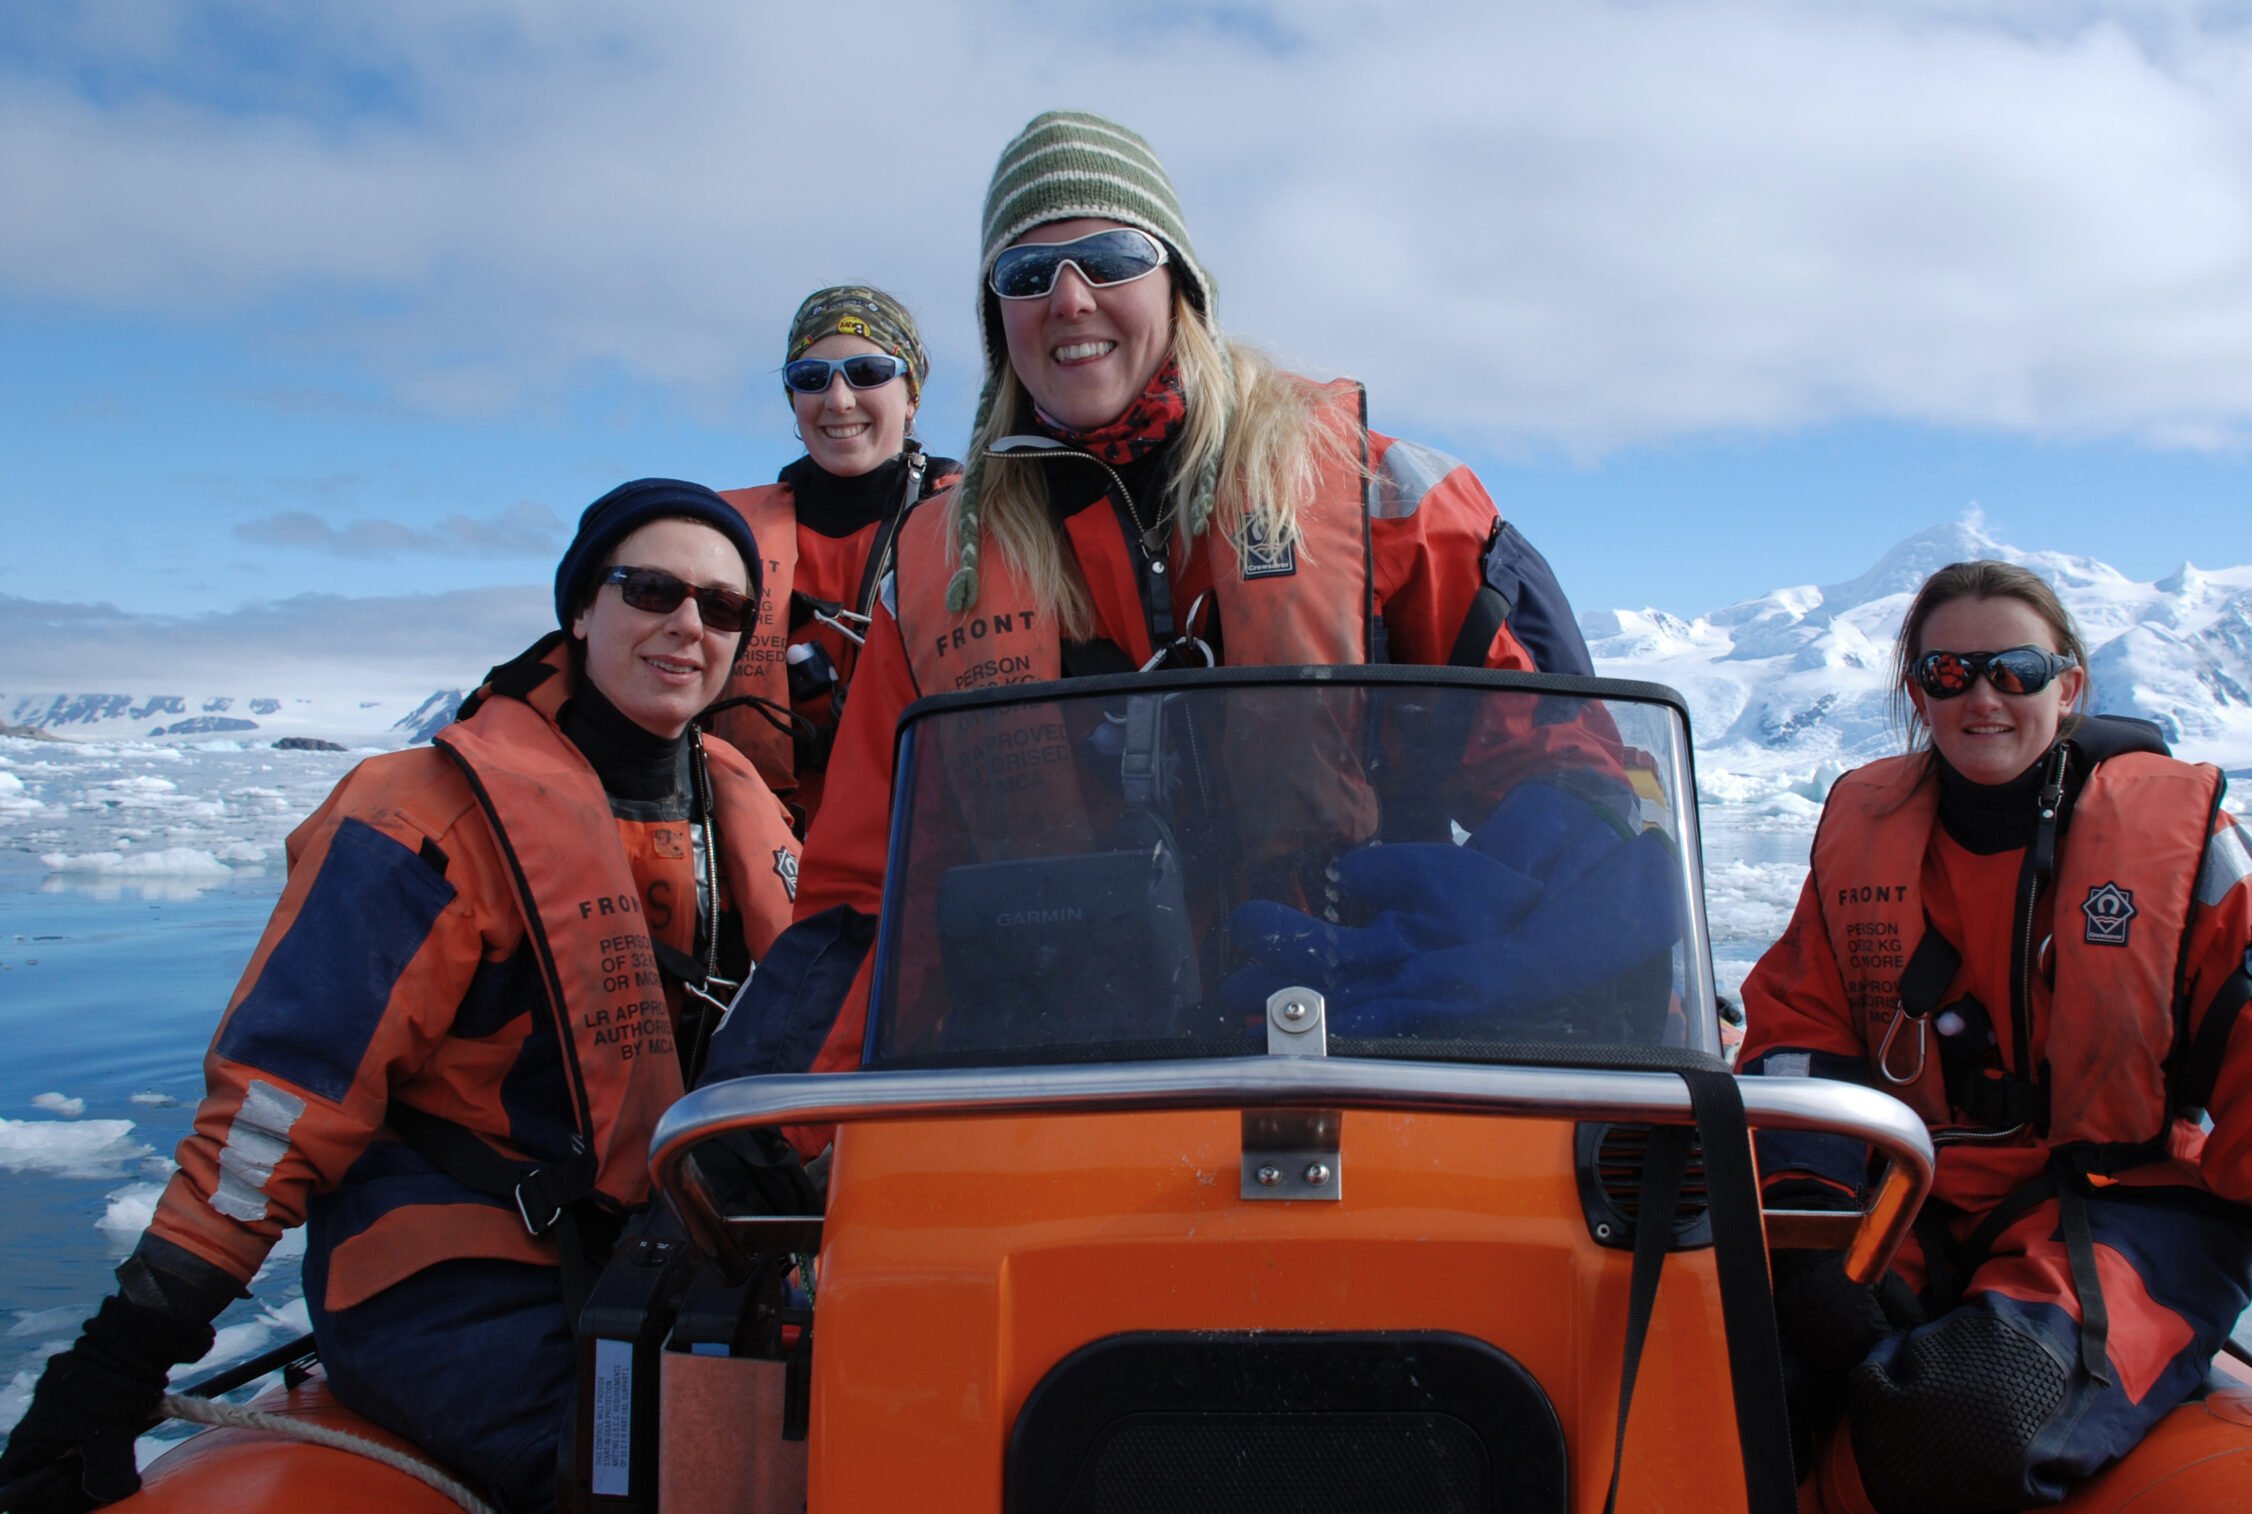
(1545, 833)
(1548, 898)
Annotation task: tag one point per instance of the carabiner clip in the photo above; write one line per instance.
(1884, 1050)
(837, 624)
(1187, 640)
(1181, 644)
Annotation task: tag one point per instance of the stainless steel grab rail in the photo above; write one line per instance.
(1804, 1104)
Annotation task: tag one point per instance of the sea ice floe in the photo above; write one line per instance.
(163, 861)
(55, 1103)
(128, 1214)
(48, 1322)
(15, 801)
(69, 1148)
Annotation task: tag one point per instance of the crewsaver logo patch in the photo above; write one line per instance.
(786, 868)
(2110, 909)
(1263, 559)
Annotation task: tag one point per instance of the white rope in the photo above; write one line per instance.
(211, 1411)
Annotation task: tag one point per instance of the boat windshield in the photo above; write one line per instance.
(1464, 865)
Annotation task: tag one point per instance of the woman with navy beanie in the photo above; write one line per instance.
(497, 959)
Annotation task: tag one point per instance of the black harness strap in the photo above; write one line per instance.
(1747, 1301)
(1931, 967)
(539, 1193)
(879, 560)
(1747, 1304)
(557, 1197)
(2080, 1251)
(2201, 1068)
(2194, 1065)
(1489, 612)
(1662, 1165)
(778, 715)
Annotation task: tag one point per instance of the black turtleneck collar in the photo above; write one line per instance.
(633, 762)
(1144, 479)
(834, 505)
(1985, 818)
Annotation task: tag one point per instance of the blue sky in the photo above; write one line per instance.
(1717, 295)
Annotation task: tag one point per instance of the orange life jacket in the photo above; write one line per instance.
(585, 917)
(760, 667)
(1310, 602)
(2126, 877)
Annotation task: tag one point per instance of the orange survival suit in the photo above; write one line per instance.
(2060, 1012)
(474, 931)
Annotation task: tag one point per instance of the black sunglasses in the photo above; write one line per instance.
(2020, 670)
(1118, 256)
(863, 370)
(660, 593)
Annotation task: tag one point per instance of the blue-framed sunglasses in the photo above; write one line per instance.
(863, 370)
(1103, 258)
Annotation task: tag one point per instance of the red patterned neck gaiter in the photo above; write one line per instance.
(1149, 422)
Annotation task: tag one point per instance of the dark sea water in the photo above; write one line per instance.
(106, 994)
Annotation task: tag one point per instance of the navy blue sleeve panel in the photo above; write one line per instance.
(499, 993)
(1834, 1160)
(1520, 591)
(795, 997)
(324, 989)
(1540, 617)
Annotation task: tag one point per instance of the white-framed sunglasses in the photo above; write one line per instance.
(1103, 258)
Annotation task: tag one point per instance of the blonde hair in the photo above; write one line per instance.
(1981, 579)
(1262, 436)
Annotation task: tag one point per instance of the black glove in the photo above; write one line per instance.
(1831, 1322)
(756, 1172)
(92, 1402)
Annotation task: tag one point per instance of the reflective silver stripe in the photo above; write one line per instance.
(2228, 861)
(1788, 1064)
(888, 592)
(1409, 471)
(257, 1140)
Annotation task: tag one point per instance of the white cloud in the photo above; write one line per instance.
(1544, 224)
(400, 646)
(522, 530)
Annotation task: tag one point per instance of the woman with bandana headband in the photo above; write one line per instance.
(854, 374)
(1142, 492)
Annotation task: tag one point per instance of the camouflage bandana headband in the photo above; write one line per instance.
(865, 312)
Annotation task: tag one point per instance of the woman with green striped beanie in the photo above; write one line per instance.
(1141, 491)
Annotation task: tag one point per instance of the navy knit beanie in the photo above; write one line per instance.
(625, 510)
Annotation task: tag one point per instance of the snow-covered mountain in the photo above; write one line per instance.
(201, 717)
(1793, 682)
(1801, 677)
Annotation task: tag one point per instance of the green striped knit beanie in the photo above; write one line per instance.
(1067, 165)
